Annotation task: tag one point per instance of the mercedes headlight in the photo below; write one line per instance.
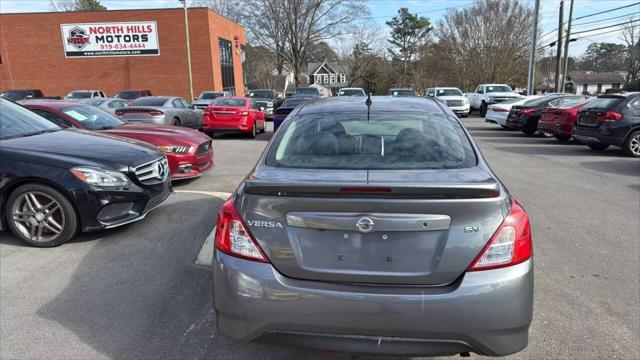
(100, 177)
(176, 149)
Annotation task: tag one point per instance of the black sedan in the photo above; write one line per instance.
(611, 120)
(525, 117)
(55, 183)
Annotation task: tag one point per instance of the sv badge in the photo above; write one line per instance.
(474, 228)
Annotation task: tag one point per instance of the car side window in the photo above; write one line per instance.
(635, 104)
(185, 104)
(115, 104)
(480, 90)
(176, 103)
(431, 93)
(53, 118)
(253, 105)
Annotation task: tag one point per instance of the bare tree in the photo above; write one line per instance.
(62, 5)
(233, 10)
(631, 38)
(487, 42)
(76, 5)
(264, 20)
(363, 43)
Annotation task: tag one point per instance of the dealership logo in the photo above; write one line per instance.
(78, 38)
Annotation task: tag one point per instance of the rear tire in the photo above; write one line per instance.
(41, 216)
(175, 122)
(563, 138)
(528, 131)
(253, 132)
(598, 147)
(631, 146)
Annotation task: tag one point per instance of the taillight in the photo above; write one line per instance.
(611, 116)
(119, 112)
(232, 236)
(510, 244)
(243, 113)
(156, 113)
(527, 112)
(497, 109)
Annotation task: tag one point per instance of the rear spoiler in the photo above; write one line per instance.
(418, 191)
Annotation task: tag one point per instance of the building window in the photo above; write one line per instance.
(243, 49)
(325, 79)
(585, 88)
(599, 89)
(317, 79)
(333, 78)
(343, 78)
(615, 85)
(226, 66)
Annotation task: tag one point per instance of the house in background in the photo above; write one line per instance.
(327, 77)
(587, 82)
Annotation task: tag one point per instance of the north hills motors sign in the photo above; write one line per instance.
(110, 39)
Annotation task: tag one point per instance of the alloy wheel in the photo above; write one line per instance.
(634, 145)
(38, 216)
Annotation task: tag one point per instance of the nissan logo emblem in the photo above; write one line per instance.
(365, 224)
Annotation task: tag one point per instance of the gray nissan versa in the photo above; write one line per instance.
(375, 226)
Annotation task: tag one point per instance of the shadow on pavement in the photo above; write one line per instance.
(628, 167)
(231, 136)
(140, 295)
(565, 150)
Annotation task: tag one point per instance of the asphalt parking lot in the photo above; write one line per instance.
(137, 292)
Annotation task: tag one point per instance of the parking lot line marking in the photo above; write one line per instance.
(205, 256)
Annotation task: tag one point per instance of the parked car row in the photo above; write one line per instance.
(600, 122)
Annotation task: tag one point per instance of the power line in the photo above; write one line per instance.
(606, 11)
(605, 27)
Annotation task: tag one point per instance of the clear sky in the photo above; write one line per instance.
(383, 10)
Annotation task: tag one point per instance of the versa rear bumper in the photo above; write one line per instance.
(487, 312)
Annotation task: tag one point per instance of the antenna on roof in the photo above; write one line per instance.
(368, 102)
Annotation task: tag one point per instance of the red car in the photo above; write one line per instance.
(234, 114)
(559, 120)
(189, 152)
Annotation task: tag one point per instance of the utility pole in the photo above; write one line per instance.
(186, 31)
(532, 49)
(566, 48)
(559, 49)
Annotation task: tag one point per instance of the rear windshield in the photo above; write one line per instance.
(95, 102)
(79, 95)
(539, 101)
(15, 94)
(390, 141)
(262, 94)
(149, 101)
(448, 92)
(229, 102)
(603, 103)
(92, 118)
(352, 92)
(503, 88)
(402, 93)
(306, 91)
(292, 103)
(128, 95)
(209, 96)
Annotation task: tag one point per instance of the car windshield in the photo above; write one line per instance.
(95, 102)
(149, 101)
(404, 92)
(92, 118)
(351, 92)
(14, 95)
(539, 101)
(498, 88)
(229, 102)
(209, 95)
(262, 94)
(568, 101)
(306, 91)
(78, 95)
(387, 140)
(448, 92)
(603, 103)
(16, 121)
(128, 95)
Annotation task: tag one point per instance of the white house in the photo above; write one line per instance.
(328, 76)
(587, 82)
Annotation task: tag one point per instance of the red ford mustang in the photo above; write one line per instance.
(234, 114)
(189, 152)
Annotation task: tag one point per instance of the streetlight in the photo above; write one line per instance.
(186, 32)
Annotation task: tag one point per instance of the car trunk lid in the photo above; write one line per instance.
(364, 227)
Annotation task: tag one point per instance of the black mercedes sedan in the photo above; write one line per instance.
(55, 183)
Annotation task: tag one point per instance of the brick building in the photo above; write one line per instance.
(34, 52)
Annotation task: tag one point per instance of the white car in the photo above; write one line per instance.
(352, 92)
(85, 94)
(497, 113)
(487, 94)
(453, 97)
